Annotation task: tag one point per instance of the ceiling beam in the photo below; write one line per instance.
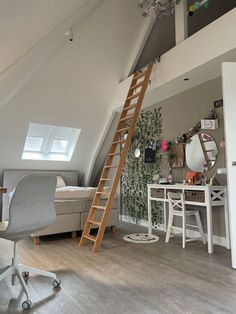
(181, 21)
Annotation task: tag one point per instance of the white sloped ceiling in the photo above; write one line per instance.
(76, 80)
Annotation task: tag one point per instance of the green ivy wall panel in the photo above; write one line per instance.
(137, 174)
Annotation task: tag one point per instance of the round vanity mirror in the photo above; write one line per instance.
(137, 152)
(201, 152)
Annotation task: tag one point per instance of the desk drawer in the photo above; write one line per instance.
(195, 196)
(157, 193)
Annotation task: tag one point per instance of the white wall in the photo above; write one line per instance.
(74, 88)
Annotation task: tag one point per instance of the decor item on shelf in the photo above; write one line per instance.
(155, 178)
(201, 153)
(157, 8)
(197, 5)
(164, 146)
(218, 103)
(163, 181)
(191, 177)
(176, 158)
(210, 124)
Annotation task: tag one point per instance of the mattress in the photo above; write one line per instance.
(75, 192)
(78, 206)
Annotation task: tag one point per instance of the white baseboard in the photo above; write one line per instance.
(218, 240)
(142, 222)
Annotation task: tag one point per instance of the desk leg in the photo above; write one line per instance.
(149, 214)
(226, 212)
(209, 222)
(165, 219)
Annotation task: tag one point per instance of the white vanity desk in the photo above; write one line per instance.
(210, 196)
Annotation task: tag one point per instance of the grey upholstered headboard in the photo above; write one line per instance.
(11, 177)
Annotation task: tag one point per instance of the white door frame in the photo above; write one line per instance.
(229, 95)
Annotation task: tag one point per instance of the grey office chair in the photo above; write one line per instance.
(31, 209)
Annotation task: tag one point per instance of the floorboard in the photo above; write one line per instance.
(123, 277)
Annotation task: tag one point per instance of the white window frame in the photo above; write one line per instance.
(46, 152)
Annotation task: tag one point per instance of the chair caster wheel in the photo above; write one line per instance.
(26, 305)
(56, 283)
(25, 274)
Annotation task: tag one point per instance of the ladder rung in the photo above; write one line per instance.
(102, 193)
(112, 166)
(114, 154)
(122, 130)
(130, 107)
(128, 117)
(135, 86)
(92, 222)
(117, 142)
(99, 207)
(134, 96)
(139, 75)
(107, 179)
(89, 237)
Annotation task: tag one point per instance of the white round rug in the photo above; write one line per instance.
(141, 238)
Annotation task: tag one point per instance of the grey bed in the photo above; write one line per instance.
(71, 214)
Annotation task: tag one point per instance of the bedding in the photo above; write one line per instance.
(71, 193)
(60, 182)
(75, 192)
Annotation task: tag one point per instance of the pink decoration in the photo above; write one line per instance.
(164, 146)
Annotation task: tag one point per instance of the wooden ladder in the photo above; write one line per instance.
(126, 125)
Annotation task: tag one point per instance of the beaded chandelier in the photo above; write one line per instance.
(157, 8)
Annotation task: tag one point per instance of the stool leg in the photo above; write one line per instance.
(199, 223)
(184, 230)
(170, 222)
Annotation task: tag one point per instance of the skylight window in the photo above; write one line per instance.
(50, 142)
(33, 143)
(59, 146)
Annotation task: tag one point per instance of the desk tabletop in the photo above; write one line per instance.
(186, 187)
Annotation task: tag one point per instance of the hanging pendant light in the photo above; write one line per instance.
(157, 8)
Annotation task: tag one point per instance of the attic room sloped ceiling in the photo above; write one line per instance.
(75, 87)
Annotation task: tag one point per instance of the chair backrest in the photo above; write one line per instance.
(32, 204)
(176, 202)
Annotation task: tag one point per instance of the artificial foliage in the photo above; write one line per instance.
(137, 174)
(157, 8)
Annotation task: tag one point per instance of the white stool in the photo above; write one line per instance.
(177, 208)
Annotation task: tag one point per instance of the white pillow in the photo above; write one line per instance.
(60, 182)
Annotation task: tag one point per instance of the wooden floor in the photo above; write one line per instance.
(123, 278)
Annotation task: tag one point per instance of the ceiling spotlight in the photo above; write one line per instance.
(70, 34)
